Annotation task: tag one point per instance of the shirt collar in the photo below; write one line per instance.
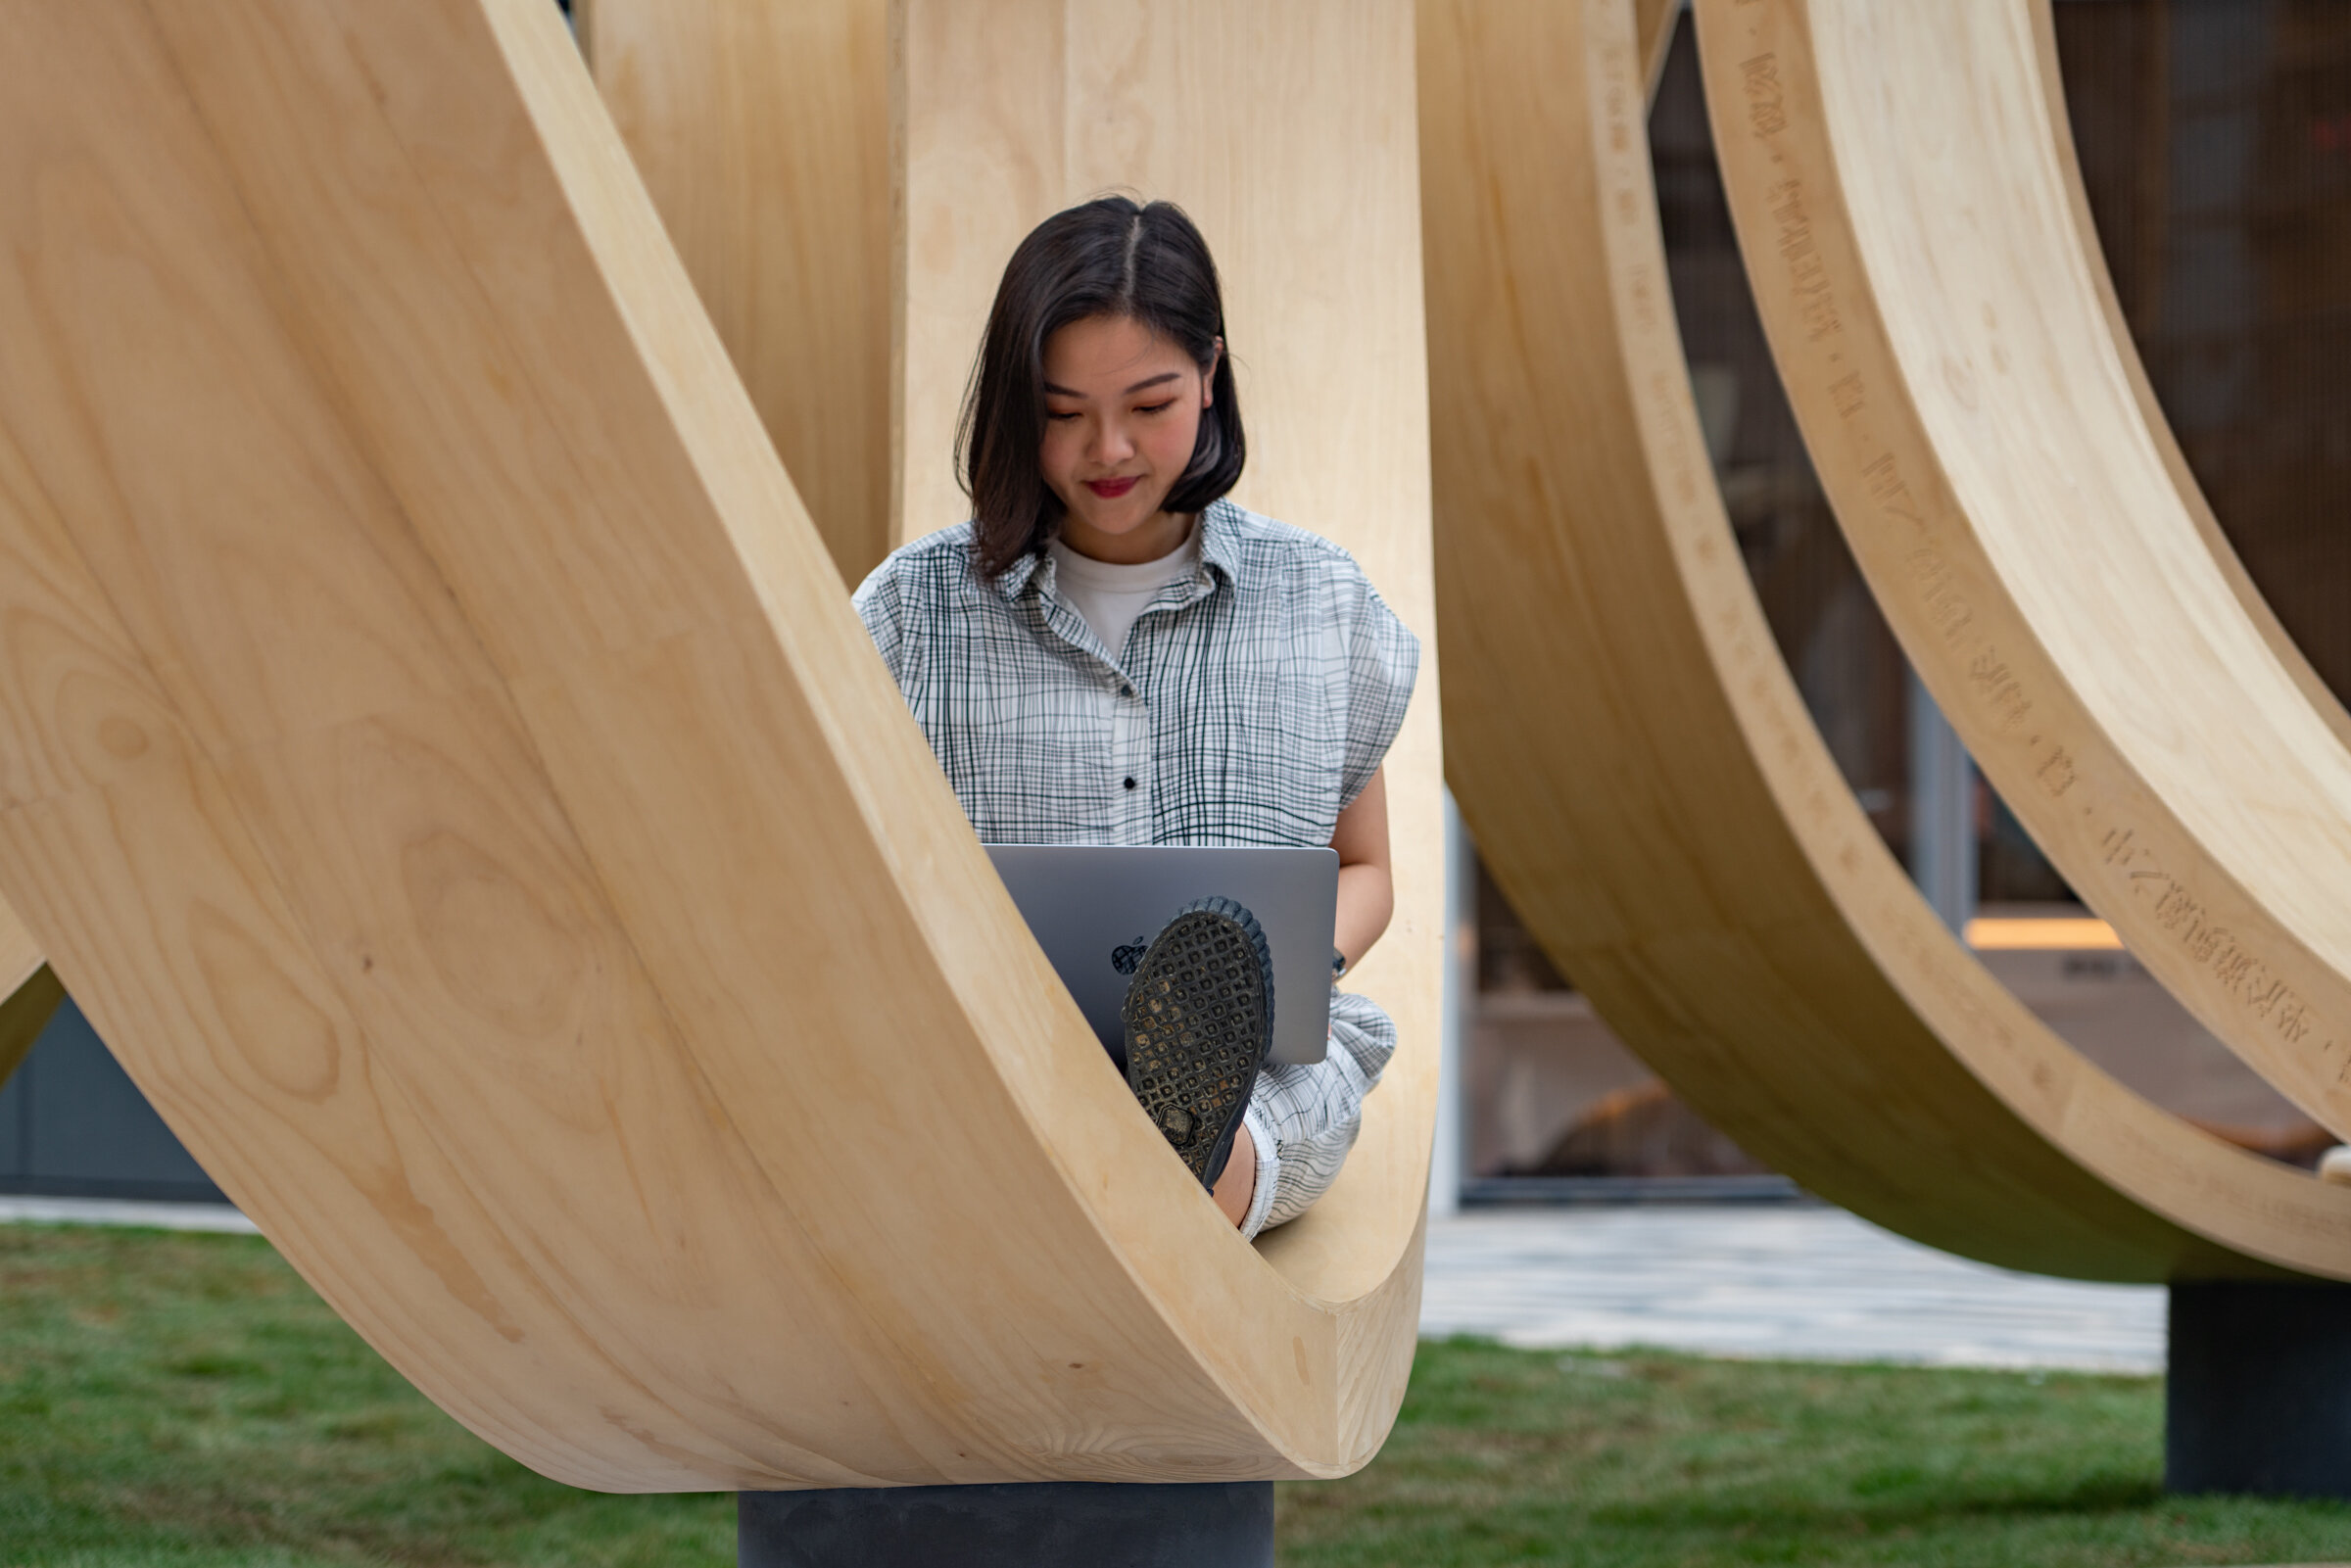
(1219, 552)
(1016, 576)
(1219, 545)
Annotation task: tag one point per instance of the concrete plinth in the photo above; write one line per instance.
(2258, 1400)
(1044, 1525)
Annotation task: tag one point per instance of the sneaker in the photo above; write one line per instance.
(1199, 1019)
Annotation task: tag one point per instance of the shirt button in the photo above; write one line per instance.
(1125, 689)
(1130, 784)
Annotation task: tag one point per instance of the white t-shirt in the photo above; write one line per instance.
(1110, 596)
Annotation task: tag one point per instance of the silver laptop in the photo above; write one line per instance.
(1094, 908)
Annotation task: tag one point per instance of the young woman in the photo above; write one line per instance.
(1112, 653)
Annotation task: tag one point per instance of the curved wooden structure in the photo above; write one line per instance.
(451, 777)
(444, 765)
(1654, 25)
(764, 133)
(1640, 770)
(1949, 351)
(30, 993)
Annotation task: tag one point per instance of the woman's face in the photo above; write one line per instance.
(1122, 408)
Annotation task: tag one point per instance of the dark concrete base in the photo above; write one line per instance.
(1044, 1525)
(2258, 1400)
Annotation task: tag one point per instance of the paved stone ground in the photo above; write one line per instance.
(114, 1212)
(1803, 1283)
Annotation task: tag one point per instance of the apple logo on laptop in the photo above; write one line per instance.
(1124, 959)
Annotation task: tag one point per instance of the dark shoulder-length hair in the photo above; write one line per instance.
(1110, 257)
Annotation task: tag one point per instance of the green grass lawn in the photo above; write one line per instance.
(180, 1401)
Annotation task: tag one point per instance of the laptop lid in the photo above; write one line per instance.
(1094, 907)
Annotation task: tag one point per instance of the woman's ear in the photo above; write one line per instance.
(1208, 373)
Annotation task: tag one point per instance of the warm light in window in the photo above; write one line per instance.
(2070, 933)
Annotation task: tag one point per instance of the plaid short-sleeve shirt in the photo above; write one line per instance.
(1254, 699)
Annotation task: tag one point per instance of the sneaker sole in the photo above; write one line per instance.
(1198, 1016)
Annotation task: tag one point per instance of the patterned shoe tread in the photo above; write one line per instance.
(1198, 1015)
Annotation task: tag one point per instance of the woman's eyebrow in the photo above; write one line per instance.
(1149, 381)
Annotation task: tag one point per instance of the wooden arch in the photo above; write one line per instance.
(1641, 772)
(1985, 440)
(28, 992)
(437, 749)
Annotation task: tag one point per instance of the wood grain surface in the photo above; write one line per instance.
(28, 992)
(1641, 772)
(763, 131)
(24, 1014)
(1916, 245)
(20, 954)
(436, 751)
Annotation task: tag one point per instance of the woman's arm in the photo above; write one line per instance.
(1367, 890)
(1366, 898)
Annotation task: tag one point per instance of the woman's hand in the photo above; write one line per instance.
(1236, 1184)
(1367, 890)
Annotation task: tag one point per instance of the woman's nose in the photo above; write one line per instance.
(1111, 442)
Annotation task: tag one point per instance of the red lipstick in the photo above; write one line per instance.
(1112, 489)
